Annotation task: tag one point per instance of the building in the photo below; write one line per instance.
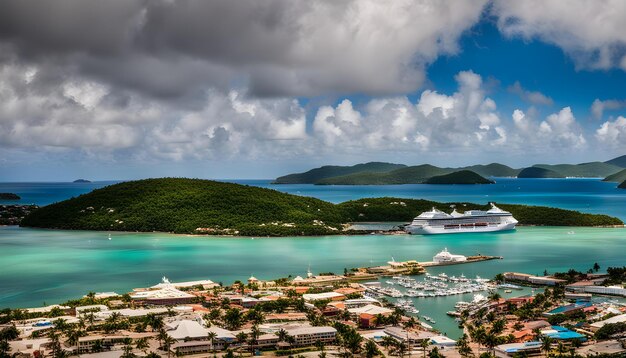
(527, 348)
(333, 296)
(109, 341)
(442, 341)
(546, 281)
(606, 290)
(568, 309)
(187, 330)
(408, 336)
(563, 334)
(167, 295)
(615, 319)
(205, 284)
(307, 336)
(446, 257)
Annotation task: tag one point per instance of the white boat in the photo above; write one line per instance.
(439, 222)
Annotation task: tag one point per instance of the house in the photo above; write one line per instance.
(512, 349)
(333, 296)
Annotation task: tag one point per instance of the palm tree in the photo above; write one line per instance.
(282, 335)
(142, 344)
(168, 341)
(233, 318)
(463, 346)
(546, 345)
(371, 350)
(212, 336)
(241, 337)
(73, 337)
(424, 344)
(162, 336)
(561, 349)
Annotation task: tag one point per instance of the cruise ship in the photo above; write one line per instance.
(439, 222)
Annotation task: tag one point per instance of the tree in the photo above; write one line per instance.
(463, 346)
(212, 336)
(546, 345)
(233, 319)
(168, 341)
(128, 352)
(371, 350)
(73, 337)
(596, 267)
(152, 355)
(434, 353)
(282, 335)
(142, 344)
(424, 344)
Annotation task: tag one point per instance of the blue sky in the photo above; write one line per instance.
(182, 89)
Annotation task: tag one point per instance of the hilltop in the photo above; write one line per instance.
(622, 185)
(194, 206)
(9, 196)
(460, 177)
(375, 173)
(617, 177)
(186, 205)
(317, 174)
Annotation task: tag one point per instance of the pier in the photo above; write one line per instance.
(470, 259)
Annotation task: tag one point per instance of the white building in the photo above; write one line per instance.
(445, 256)
(333, 296)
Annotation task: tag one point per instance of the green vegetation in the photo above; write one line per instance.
(396, 209)
(610, 329)
(588, 170)
(617, 177)
(186, 205)
(619, 161)
(536, 172)
(493, 170)
(460, 177)
(623, 185)
(194, 206)
(9, 196)
(409, 175)
(314, 175)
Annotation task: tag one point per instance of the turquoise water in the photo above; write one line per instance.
(587, 195)
(38, 266)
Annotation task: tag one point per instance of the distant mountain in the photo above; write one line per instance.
(315, 175)
(619, 161)
(460, 177)
(82, 181)
(409, 175)
(376, 173)
(623, 185)
(537, 172)
(617, 177)
(493, 170)
(586, 170)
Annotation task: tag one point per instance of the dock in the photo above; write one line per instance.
(470, 259)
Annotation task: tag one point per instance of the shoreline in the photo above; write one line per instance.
(359, 233)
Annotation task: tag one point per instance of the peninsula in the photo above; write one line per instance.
(194, 206)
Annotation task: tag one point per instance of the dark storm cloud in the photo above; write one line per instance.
(275, 47)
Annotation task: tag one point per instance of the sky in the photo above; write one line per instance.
(116, 90)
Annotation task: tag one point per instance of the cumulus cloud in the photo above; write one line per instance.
(558, 131)
(435, 122)
(276, 47)
(534, 97)
(613, 133)
(598, 107)
(593, 33)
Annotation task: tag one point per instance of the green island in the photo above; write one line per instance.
(460, 177)
(9, 196)
(195, 206)
(376, 173)
(622, 185)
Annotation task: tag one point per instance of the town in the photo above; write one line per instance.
(329, 315)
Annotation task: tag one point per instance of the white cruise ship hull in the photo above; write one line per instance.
(430, 230)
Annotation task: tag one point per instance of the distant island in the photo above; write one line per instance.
(622, 185)
(460, 177)
(194, 206)
(9, 196)
(617, 177)
(81, 181)
(377, 173)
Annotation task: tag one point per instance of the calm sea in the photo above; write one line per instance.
(50, 266)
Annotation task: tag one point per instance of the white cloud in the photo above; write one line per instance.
(559, 132)
(533, 97)
(613, 133)
(593, 33)
(598, 107)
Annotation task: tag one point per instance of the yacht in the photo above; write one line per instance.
(439, 222)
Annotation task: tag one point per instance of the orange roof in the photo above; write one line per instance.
(522, 333)
(346, 290)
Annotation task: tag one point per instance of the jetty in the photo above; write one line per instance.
(469, 260)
